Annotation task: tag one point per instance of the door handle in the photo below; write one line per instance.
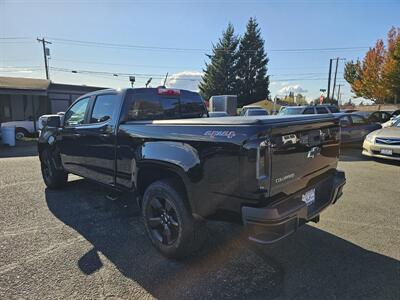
(77, 134)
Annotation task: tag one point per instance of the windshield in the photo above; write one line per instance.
(291, 111)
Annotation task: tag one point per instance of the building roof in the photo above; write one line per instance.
(19, 83)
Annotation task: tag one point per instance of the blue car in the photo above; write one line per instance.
(355, 127)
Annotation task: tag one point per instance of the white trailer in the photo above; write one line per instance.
(226, 103)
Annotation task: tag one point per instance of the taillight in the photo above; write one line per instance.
(169, 92)
(261, 167)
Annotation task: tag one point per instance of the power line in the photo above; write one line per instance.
(144, 47)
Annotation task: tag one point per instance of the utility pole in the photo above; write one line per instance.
(339, 95)
(334, 80)
(329, 79)
(46, 53)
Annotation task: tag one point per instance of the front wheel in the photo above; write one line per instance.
(168, 220)
(52, 176)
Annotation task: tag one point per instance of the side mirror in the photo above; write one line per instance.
(53, 121)
(104, 118)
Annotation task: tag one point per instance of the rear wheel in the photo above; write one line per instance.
(168, 220)
(21, 133)
(53, 177)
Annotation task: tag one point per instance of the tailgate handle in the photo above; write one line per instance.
(314, 152)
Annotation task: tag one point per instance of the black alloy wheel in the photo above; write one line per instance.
(163, 221)
(168, 219)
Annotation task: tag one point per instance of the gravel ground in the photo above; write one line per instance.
(75, 243)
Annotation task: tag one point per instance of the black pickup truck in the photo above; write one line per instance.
(270, 173)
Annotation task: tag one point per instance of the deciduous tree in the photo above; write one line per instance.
(377, 77)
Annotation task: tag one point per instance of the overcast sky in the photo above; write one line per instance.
(156, 37)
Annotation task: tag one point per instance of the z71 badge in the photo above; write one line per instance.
(226, 133)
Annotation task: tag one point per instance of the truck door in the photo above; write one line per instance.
(71, 141)
(359, 128)
(98, 138)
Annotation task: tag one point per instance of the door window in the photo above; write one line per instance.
(358, 120)
(321, 110)
(104, 108)
(309, 111)
(76, 114)
(344, 122)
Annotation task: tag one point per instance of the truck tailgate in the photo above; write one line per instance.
(300, 154)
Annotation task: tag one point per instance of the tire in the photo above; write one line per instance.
(169, 222)
(53, 177)
(21, 133)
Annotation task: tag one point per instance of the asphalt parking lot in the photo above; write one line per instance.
(75, 243)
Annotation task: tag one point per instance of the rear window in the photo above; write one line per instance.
(148, 105)
(192, 105)
(334, 109)
(257, 112)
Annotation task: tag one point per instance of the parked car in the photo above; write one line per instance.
(391, 122)
(380, 116)
(383, 143)
(183, 168)
(256, 112)
(355, 127)
(308, 110)
(247, 107)
(22, 128)
(396, 113)
(217, 114)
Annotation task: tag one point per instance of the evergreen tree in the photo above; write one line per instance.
(220, 74)
(252, 79)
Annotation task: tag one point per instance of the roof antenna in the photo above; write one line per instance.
(148, 81)
(165, 80)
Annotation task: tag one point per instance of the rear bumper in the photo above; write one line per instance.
(269, 224)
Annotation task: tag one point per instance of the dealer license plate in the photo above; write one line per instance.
(386, 151)
(308, 197)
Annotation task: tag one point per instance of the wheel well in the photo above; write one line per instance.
(148, 175)
(21, 129)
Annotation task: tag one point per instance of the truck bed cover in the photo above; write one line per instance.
(251, 120)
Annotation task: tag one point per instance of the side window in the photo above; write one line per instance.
(333, 109)
(321, 110)
(358, 120)
(104, 108)
(374, 117)
(76, 114)
(385, 116)
(309, 111)
(344, 121)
